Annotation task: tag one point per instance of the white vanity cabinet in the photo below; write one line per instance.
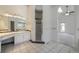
(22, 37)
(26, 36)
(18, 38)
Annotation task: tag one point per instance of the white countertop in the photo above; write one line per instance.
(5, 34)
(9, 33)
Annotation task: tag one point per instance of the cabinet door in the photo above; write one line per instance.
(26, 36)
(19, 38)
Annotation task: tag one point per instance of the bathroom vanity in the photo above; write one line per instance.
(19, 37)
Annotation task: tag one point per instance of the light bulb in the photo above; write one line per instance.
(60, 10)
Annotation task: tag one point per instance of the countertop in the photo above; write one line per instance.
(10, 33)
(5, 34)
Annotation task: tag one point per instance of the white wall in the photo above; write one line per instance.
(69, 22)
(4, 23)
(31, 21)
(49, 23)
(77, 27)
(53, 23)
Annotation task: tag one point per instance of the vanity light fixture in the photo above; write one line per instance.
(19, 17)
(8, 15)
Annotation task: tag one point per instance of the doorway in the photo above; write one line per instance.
(38, 18)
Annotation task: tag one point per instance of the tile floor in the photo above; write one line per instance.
(28, 47)
(66, 39)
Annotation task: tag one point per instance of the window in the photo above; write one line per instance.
(62, 25)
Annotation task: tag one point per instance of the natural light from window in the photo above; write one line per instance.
(62, 29)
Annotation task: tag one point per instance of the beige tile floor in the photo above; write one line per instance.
(28, 47)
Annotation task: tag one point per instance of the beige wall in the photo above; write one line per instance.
(15, 10)
(19, 10)
(4, 23)
(31, 21)
(27, 12)
(29, 17)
